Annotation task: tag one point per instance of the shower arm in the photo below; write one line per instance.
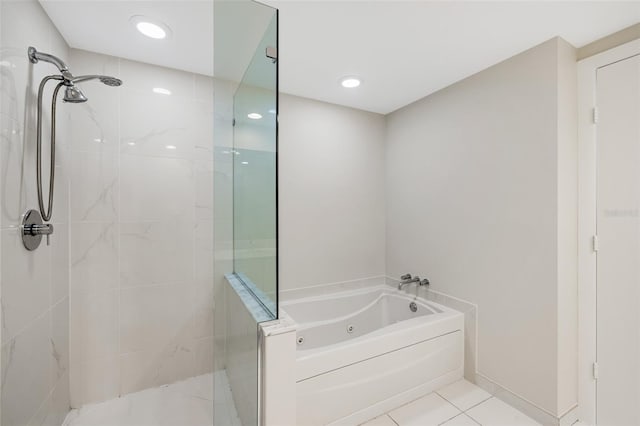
(35, 56)
(46, 214)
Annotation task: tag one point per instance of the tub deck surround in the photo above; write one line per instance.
(369, 351)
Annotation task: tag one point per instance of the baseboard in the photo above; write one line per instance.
(527, 407)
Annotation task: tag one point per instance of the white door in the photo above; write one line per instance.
(618, 255)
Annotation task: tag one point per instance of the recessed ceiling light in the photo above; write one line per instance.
(161, 91)
(171, 147)
(254, 116)
(131, 143)
(350, 82)
(150, 27)
(97, 140)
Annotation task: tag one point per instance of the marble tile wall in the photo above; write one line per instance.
(34, 284)
(141, 244)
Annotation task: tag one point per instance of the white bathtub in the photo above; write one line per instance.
(364, 352)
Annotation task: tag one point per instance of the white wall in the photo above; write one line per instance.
(481, 200)
(567, 196)
(141, 216)
(35, 302)
(331, 202)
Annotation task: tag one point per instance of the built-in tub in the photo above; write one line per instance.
(361, 353)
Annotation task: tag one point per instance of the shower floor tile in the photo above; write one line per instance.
(185, 403)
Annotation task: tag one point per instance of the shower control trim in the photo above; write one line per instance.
(33, 229)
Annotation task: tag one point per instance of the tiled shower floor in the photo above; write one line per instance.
(186, 403)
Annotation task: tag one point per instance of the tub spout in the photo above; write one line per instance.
(407, 279)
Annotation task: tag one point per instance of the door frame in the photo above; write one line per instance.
(587, 285)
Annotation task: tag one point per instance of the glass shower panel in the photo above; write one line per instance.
(254, 173)
(245, 260)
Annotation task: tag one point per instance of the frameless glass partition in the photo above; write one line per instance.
(254, 173)
(245, 201)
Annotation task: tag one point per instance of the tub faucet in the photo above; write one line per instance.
(407, 279)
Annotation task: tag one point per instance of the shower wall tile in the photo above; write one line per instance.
(25, 278)
(202, 324)
(93, 257)
(155, 253)
(16, 189)
(143, 78)
(25, 372)
(141, 214)
(16, 37)
(204, 356)
(145, 369)
(204, 189)
(94, 326)
(93, 346)
(155, 188)
(157, 125)
(95, 124)
(54, 410)
(203, 255)
(60, 212)
(94, 380)
(94, 184)
(59, 341)
(201, 113)
(59, 263)
(155, 318)
(34, 284)
(204, 89)
(89, 63)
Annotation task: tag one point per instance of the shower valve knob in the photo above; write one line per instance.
(33, 229)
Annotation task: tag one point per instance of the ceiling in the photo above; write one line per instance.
(402, 50)
(103, 26)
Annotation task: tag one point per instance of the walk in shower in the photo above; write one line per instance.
(108, 264)
(111, 321)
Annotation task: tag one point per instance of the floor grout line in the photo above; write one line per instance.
(392, 419)
(479, 403)
(461, 412)
(451, 418)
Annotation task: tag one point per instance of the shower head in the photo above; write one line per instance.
(74, 95)
(111, 81)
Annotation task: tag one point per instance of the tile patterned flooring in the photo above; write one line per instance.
(190, 403)
(459, 404)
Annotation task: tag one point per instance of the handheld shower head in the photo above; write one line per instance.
(111, 81)
(73, 93)
(105, 79)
